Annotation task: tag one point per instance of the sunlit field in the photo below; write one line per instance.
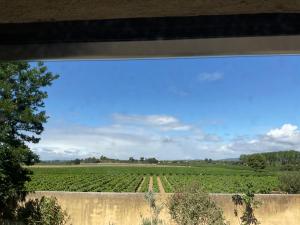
(214, 178)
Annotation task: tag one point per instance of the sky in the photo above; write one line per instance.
(193, 108)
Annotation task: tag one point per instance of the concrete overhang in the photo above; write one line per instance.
(66, 29)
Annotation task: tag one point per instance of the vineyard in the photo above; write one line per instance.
(215, 179)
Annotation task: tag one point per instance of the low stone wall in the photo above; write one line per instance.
(127, 208)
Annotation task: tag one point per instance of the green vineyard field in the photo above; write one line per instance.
(215, 179)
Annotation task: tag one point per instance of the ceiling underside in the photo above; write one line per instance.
(20, 11)
(110, 29)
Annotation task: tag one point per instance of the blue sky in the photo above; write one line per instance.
(172, 108)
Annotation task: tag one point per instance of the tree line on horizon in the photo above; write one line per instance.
(286, 160)
(102, 159)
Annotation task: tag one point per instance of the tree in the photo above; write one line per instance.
(76, 161)
(131, 159)
(191, 205)
(152, 160)
(103, 158)
(243, 159)
(21, 122)
(280, 158)
(257, 162)
(142, 159)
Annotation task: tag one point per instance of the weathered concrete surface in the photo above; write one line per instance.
(275, 209)
(127, 208)
(19, 11)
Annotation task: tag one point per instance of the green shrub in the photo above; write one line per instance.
(191, 205)
(246, 204)
(257, 162)
(155, 210)
(290, 167)
(44, 211)
(290, 182)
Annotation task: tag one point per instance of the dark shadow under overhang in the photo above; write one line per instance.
(171, 36)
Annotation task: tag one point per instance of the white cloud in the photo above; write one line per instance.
(157, 136)
(163, 122)
(286, 137)
(209, 77)
(286, 131)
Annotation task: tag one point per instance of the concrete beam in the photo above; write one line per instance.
(152, 37)
(154, 49)
(23, 11)
(68, 29)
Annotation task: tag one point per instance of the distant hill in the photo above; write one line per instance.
(230, 160)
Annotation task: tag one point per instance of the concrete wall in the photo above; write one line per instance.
(126, 208)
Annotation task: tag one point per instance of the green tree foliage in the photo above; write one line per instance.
(208, 160)
(21, 101)
(191, 205)
(290, 182)
(89, 160)
(76, 161)
(104, 158)
(257, 161)
(131, 159)
(21, 122)
(12, 179)
(277, 158)
(151, 160)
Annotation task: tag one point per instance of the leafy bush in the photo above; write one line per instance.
(247, 204)
(290, 182)
(257, 162)
(44, 211)
(290, 167)
(191, 205)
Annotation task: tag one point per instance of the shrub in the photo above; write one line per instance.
(191, 205)
(290, 182)
(257, 162)
(155, 210)
(289, 167)
(247, 204)
(45, 211)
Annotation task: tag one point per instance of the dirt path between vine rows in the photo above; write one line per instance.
(151, 184)
(141, 185)
(160, 186)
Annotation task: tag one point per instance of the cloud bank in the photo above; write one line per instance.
(284, 138)
(161, 136)
(163, 122)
